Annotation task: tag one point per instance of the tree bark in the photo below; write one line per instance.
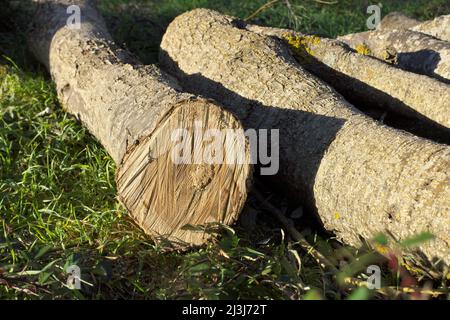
(396, 20)
(411, 50)
(365, 80)
(438, 27)
(133, 110)
(359, 176)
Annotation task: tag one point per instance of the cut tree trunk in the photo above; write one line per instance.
(438, 27)
(133, 110)
(396, 20)
(365, 80)
(411, 50)
(361, 177)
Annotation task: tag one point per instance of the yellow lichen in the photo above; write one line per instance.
(363, 49)
(301, 45)
(410, 268)
(381, 249)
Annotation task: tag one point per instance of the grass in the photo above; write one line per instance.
(140, 24)
(58, 203)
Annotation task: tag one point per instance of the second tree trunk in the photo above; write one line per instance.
(359, 176)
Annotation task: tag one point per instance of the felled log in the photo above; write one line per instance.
(134, 110)
(438, 27)
(365, 80)
(359, 176)
(397, 20)
(410, 50)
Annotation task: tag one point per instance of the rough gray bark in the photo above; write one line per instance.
(132, 110)
(360, 177)
(438, 27)
(397, 20)
(366, 80)
(411, 50)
